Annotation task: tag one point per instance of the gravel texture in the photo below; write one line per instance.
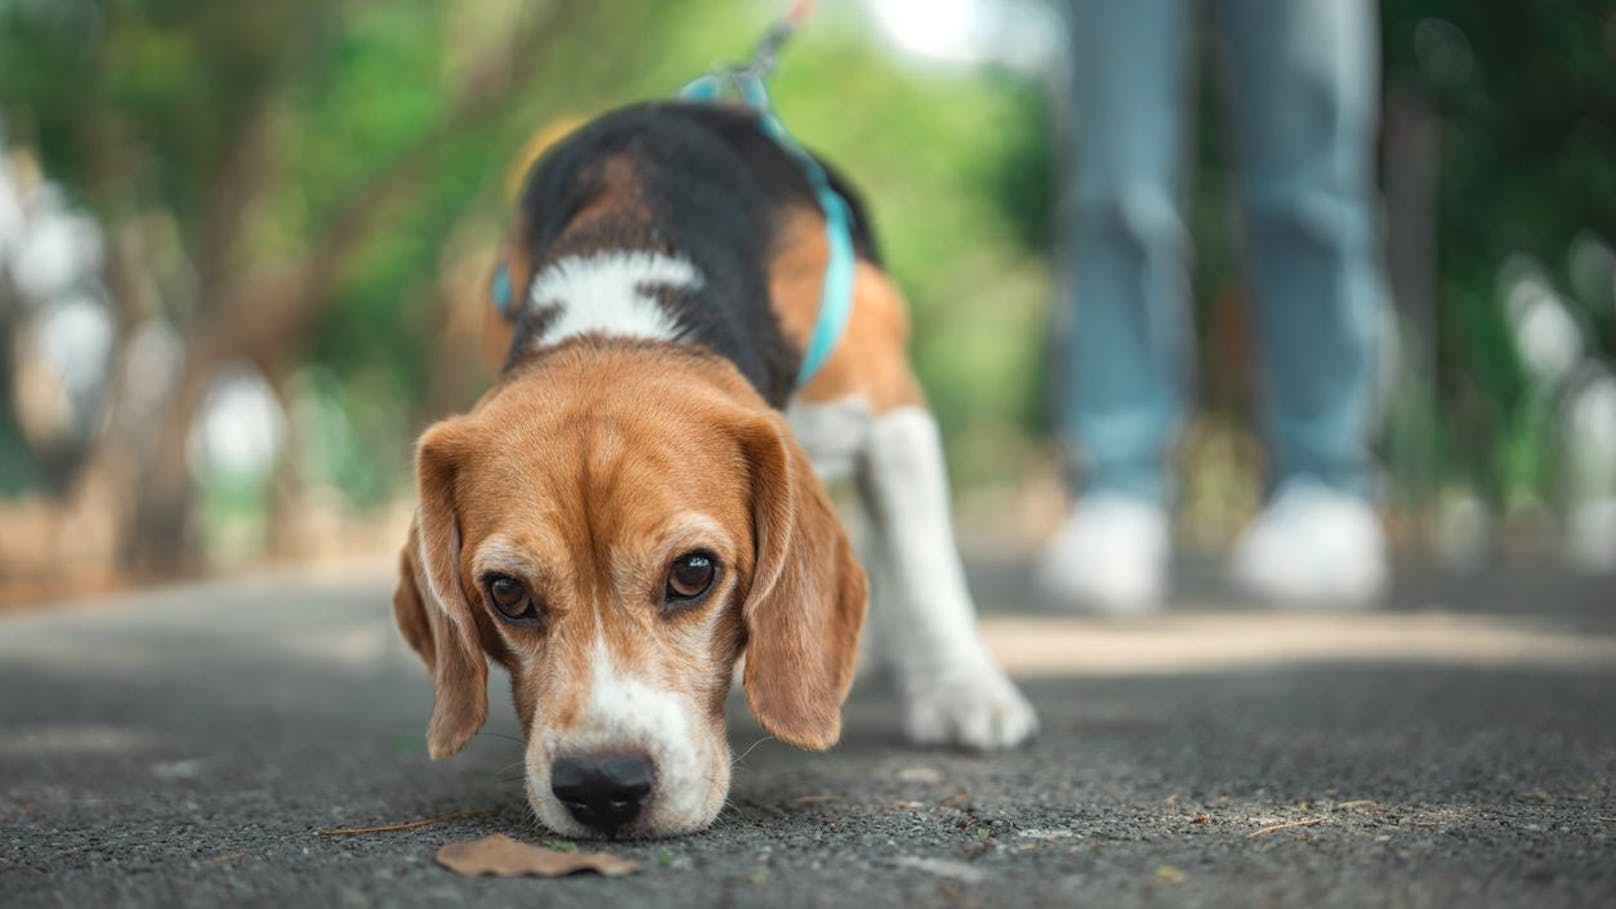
(182, 747)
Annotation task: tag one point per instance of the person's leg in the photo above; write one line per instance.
(1304, 92)
(1123, 348)
(1304, 89)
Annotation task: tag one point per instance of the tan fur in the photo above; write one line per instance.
(619, 206)
(871, 360)
(807, 598)
(582, 461)
(621, 199)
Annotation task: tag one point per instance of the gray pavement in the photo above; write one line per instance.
(182, 747)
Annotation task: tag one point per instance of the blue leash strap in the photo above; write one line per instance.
(836, 291)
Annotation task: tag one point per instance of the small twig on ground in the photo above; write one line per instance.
(1276, 828)
(408, 825)
(959, 798)
(1355, 803)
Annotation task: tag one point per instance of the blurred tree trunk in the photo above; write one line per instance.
(105, 492)
(264, 312)
(156, 540)
(287, 534)
(1411, 139)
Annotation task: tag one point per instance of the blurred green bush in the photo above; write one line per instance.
(322, 183)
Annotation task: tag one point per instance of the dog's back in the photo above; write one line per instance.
(692, 204)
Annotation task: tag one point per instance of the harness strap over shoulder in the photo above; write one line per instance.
(745, 84)
(836, 290)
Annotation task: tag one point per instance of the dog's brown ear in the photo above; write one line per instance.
(807, 598)
(430, 603)
(409, 613)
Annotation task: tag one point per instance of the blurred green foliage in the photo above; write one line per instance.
(137, 106)
(1525, 96)
(141, 108)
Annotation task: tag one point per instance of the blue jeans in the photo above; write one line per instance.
(1303, 91)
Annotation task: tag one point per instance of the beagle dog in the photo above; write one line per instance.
(639, 500)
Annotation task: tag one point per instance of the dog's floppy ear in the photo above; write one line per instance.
(430, 603)
(806, 602)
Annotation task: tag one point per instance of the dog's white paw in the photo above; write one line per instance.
(979, 708)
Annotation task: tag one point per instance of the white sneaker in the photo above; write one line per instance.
(1313, 547)
(1110, 556)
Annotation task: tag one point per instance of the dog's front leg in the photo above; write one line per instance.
(953, 690)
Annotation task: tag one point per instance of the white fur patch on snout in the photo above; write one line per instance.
(625, 714)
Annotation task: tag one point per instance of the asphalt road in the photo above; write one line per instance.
(182, 748)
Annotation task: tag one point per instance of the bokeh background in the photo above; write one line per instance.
(244, 246)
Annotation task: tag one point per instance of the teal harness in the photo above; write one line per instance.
(836, 291)
(745, 84)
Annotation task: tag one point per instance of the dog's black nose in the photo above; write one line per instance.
(603, 791)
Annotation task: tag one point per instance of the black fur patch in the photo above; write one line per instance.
(713, 186)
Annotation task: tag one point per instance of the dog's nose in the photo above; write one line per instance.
(603, 791)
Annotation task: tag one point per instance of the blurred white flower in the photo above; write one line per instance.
(62, 356)
(238, 433)
(76, 335)
(57, 251)
(1548, 337)
(1591, 419)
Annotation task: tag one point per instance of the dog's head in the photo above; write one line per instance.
(616, 525)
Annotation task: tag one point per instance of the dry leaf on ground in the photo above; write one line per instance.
(500, 855)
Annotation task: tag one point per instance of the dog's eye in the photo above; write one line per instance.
(510, 597)
(690, 577)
